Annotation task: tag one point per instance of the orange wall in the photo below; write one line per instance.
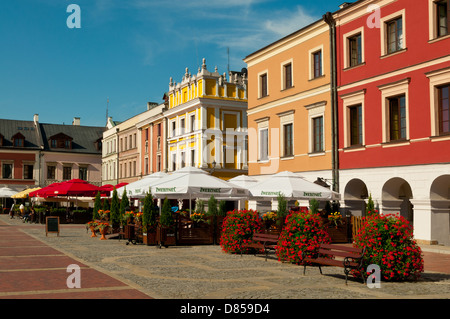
(303, 93)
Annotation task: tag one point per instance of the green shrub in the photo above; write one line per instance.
(166, 219)
(149, 213)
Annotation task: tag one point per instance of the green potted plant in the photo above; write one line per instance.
(124, 205)
(114, 214)
(149, 221)
(281, 211)
(97, 206)
(213, 212)
(166, 230)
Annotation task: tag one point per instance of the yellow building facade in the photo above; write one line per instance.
(289, 106)
(207, 122)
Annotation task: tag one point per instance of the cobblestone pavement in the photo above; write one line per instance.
(113, 269)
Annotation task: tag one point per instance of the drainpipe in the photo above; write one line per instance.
(117, 168)
(328, 18)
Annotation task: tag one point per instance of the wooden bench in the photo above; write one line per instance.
(337, 255)
(262, 241)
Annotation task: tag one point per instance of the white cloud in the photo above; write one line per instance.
(286, 22)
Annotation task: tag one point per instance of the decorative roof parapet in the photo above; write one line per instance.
(236, 78)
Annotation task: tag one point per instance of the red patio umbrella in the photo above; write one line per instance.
(75, 187)
(107, 188)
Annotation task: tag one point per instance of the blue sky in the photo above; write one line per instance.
(126, 50)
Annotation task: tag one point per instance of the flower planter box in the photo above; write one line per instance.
(338, 234)
(149, 238)
(129, 232)
(166, 236)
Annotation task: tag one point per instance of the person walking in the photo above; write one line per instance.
(21, 208)
(11, 212)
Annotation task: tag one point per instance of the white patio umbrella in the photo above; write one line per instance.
(243, 181)
(140, 188)
(191, 182)
(7, 192)
(194, 182)
(291, 185)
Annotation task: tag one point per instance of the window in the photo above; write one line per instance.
(317, 64)
(158, 129)
(356, 133)
(83, 173)
(397, 118)
(158, 163)
(353, 121)
(183, 159)
(355, 50)
(318, 134)
(51, 172)
(288, 149)
(287, 75)
(174, 126)
(442, 17)
(394, 29)
(264, 144)
(19, 141)
(174, 162)
(7, 170)
(182, 126)
(28, 171)
(193, 158)
(146, 166)
(263, 85)
(67, 173)
(192, 120)
(444, 112)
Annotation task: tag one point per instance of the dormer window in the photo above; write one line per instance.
(18, 140)
(61, 141)
(99, 144)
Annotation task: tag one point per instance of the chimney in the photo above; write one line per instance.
(76, 121)
(36, 118)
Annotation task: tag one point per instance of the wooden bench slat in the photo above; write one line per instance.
(351, 258)
(341, 247)
(338, 253)
(331, 262)
(263, 241)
